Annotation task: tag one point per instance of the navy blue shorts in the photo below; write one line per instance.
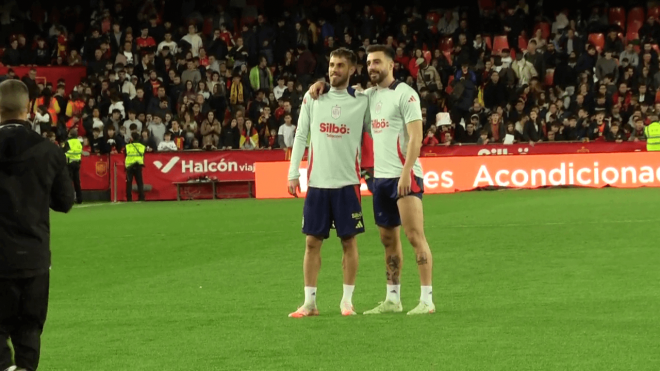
(386, 210)
(339, 208)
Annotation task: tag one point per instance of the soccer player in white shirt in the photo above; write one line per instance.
(335, 123)
(397, 130)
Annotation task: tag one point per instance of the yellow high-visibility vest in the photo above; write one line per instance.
(75, 150)
(652, 133)
(134, 154)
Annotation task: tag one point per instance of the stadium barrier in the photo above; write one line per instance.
(448, 175)
(71, 75)
(234, 170)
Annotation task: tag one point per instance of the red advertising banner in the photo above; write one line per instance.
(234, 169)
(162, 170)
(95, 172)
(536, 149)
(442, 175)
(71, 75)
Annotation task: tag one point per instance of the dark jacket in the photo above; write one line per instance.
(33, 177)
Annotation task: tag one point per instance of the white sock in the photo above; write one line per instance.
(310, 297)
(393, 293)
(427, 295)
(348, 294)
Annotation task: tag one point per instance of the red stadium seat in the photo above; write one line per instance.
(433, 18)
(486, 4)
(545, 29)
(597, 40)
(522, 42)
(634, 26)
(446, 44)
(656, 48)
(654, 12)
(617, 16)
(500, 43)
(636, 14)
(208, 26)
(549, 76)
(489, 42)
(657, 97)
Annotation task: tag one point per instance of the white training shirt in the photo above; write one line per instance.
(335, 122)
(392, 109)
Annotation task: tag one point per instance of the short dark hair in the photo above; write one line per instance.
(387, 50)
(346, 54)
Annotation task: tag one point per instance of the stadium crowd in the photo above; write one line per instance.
(220, 77)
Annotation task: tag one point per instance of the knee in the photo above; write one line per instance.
(415, 237)
(388, 240)
(349, 245)
(313, 244)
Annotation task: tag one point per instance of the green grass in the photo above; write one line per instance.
(528, 280)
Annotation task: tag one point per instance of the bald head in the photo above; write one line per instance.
(14, 100)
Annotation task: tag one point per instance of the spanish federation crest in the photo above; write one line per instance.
(379, 105)
(336, 112)
(101, 168)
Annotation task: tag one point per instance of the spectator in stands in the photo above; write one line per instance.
(286, 133)
(606, 66)
(43, 54)
(12, 56)
(249, 136)
(132, 120)
(614, 135)
(430, 139)
(523, 69)
(495, 93)
(112, 143)
(167, 144)
(638, 133)
(211, 129)
(139, 103)
(230, 135)
(157, 129)
(117, 104)
(533, 128)
(305, 66)
(587, 61)
(148, 141)
(428, 77)
(194, 40)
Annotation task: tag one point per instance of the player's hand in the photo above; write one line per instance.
(403, 188)
(294, 187)
(316, 90)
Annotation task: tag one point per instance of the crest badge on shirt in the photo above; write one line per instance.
(336, 112)
(379, 105)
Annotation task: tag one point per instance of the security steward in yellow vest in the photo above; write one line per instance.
(652, 133)
(134, 164)
(73, 151)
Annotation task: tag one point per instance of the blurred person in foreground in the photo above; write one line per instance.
(397, 132)
(33, 178)
(335, 123)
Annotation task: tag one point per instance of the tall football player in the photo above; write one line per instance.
(335, 122)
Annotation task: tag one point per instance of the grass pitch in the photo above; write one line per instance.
(527, 280)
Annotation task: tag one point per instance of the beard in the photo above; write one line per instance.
(378, 79)
(336, 81)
